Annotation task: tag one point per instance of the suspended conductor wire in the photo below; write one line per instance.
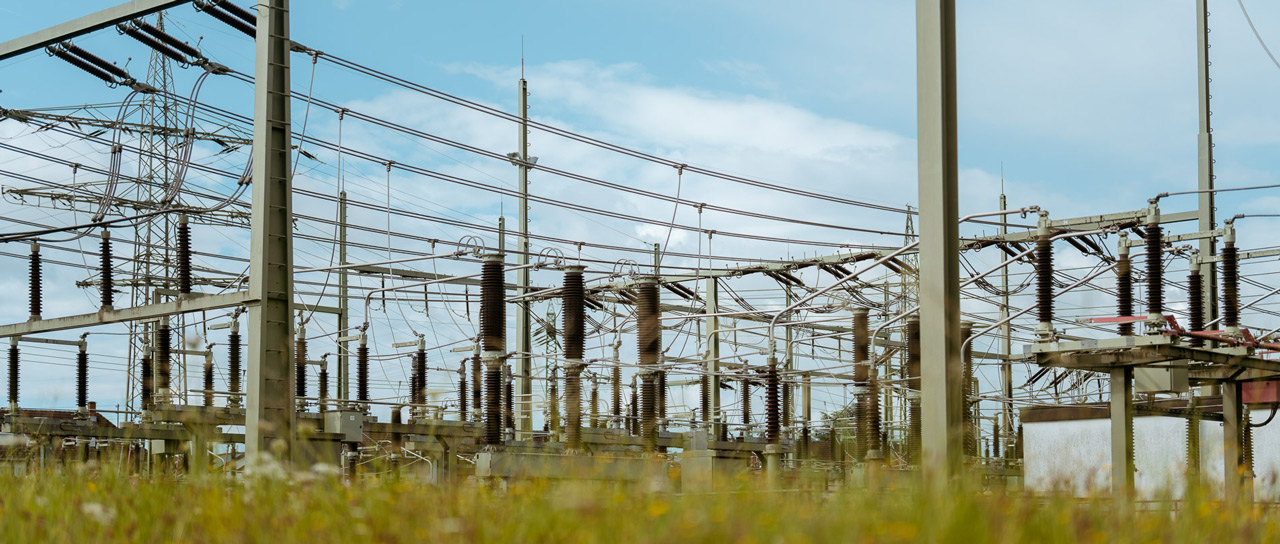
(675, 209)
(1261, 42)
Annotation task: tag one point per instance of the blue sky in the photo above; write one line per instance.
(1090, 105)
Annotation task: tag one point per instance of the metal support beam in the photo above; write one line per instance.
(84, 25)
(713, 357)
(1122, 433)
(344, 305)
(939, 240)
(270, 414)
(137, 313)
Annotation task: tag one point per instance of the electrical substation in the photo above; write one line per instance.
(262, 292)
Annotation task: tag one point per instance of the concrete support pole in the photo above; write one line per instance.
(939, 238)
(524, 325)
(269, 420)
(1006, 342)
(1232, 435)
(713, 358)
(344, 306)
(1122, 433)
(1204, 144)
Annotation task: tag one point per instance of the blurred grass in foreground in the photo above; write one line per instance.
(91, 508)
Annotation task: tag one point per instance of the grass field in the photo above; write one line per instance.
(86, 507)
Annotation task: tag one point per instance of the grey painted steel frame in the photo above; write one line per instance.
(84, 25)
(1208, 246)
(940, 340)
(270, 415)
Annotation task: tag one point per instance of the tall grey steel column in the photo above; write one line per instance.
(1208, 246)
(269, 419)
(942, 428)
(524, 327)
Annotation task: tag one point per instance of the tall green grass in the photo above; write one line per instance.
(89, 507)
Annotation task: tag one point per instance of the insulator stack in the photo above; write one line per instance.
(233, 359)
(462, 392)
(648, 400)
(913, 395)
(508, 399)
(493, 318)
(164, 345)
(493, 345)
(477, 388)
(861, 379)
(649, 340)
(324, 386)
(13, 373)
(554, 392)
(1044, 279)
(786, 404)
(1124, 292)
(995, 438)
(704, 392)
(594, 403)
(1154, 238)
(208, 382)
(362, 372)
(1247, 448)
(1017, 443)
(746, 403)
(1193, 442)
(872, 416)
(420, 368)
(660, 382)
(615, 385)
(300, 367)
(573, 406)
(967, 393)
(773, 413)
(92, 70)
(211, 7)
(1195, 306)
(633, 414)
(82, 380)
(1230, 286)
(35, 282)
(493, 406)
(574, 313)
(108, 293)
(148, 381)
(184, 255)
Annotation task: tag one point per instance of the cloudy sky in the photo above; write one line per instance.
(1086, 107)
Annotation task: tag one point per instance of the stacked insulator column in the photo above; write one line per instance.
(615, 393)
(324, 384)
(419, 393)
(164, 345)
(508, 398)
(1193, 442)
(1230, 287)
(362, 369)
(874, 447)
(477, 386)
(35, 282)
(82, 379)
(208, 380)
(1124, 285)
(785, 390)
(861, 383)
(108, 294)
(300, 363)
(148, 379)
(13, 373)
(746, 404)
(554, 392)
(1044, 280)
(1154, 238)
(594, 403)
(184, 255)
(773, 412)
(574, 325)
(462, 391)
(633, 410)
(649, 339)
(704, 392)
(1195, 303)
(233, 361)
(660, 384)
(913, 389)
(967, 393)
(493, 341)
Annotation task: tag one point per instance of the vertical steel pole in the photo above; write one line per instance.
(939, 240)
(270, 413)
(1006, 341)
(524, 326)
(1208, 246)
(1122, 432)
(344, 306)
(1232, 432)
